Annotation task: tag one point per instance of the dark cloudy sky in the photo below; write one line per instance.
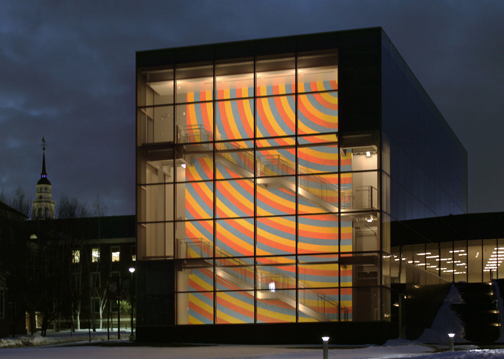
(67, 73)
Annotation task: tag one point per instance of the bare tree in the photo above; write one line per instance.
(99, 209)
(71, 208)
(19, 201)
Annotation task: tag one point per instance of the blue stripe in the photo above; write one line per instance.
(230, 203)
(202, 204)
(276, 115)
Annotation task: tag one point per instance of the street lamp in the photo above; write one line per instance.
(451, 336)
(326, 347)
(132, 270)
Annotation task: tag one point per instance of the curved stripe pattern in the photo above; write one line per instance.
(235, 236)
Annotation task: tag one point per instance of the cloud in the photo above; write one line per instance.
(68, 74)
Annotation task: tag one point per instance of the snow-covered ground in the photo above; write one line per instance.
(414, 351)
(77, 346)
(54, 338)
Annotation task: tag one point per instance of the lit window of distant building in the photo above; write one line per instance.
(133, 253)
(116, 253)
(75, 256)
(95, 255)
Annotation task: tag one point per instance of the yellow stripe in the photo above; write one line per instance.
(201, 282)
(199, 210)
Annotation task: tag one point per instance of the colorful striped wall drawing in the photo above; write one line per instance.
(324, 288)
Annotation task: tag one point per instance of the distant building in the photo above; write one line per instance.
(282, 161)
(12, 227)
(43, 205)
(94, 252)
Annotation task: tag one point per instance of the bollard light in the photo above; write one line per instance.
(325, 340)
(451, 336)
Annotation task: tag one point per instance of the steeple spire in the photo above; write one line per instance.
(43, 206)
(44, 173)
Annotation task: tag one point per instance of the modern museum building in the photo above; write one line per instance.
(270, 177)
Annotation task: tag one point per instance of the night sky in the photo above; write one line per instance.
(67, 71)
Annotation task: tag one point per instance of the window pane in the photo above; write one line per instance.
(460, 260)
(490, 259)
(195, 275)
(194, 200)
(275, 273)
(95, 255)
(324, 78)
(75, 256)
(275, 116)
(319, 305)
(195, 308)
(361, 189)
(155, 203)
(276, 235)
(235, 307)
(158, 172)
(235, 238)
(194, 84)
(276, 306)
(318, 113)
(319, 234)
(276, 162)
(235, 273)
(361, 159)
(317, 158)
(235, 198)
(234, 80)
(194, 123)
(194, 239)
(197, 165)
(360, 269)
(235, 159)
(157, 239)
(318, 271)
(159, 87)
(235, 119)
(319, 194)
(365, 232)
(276, 196)
(275, 77)
(155, 124)
(116, 254)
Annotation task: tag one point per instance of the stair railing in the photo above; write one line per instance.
(243, 272)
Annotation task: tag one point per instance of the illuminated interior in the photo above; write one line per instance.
(245, 182)
(473, 261)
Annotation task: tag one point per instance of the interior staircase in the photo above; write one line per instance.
(479, 311)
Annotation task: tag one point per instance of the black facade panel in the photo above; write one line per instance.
(428, 164)
(340, 40)
(300, 333)
(155, 293)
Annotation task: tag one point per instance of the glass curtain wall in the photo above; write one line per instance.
(243, 182)
(473, 261)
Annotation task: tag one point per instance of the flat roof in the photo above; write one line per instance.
(260, 47)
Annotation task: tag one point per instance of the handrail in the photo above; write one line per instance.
(273, 165)
(326, 303)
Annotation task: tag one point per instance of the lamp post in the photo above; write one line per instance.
(132, 270)
(325, 340)
(451, 336)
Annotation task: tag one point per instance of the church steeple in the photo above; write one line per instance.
(43, 206)
(43, 175)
